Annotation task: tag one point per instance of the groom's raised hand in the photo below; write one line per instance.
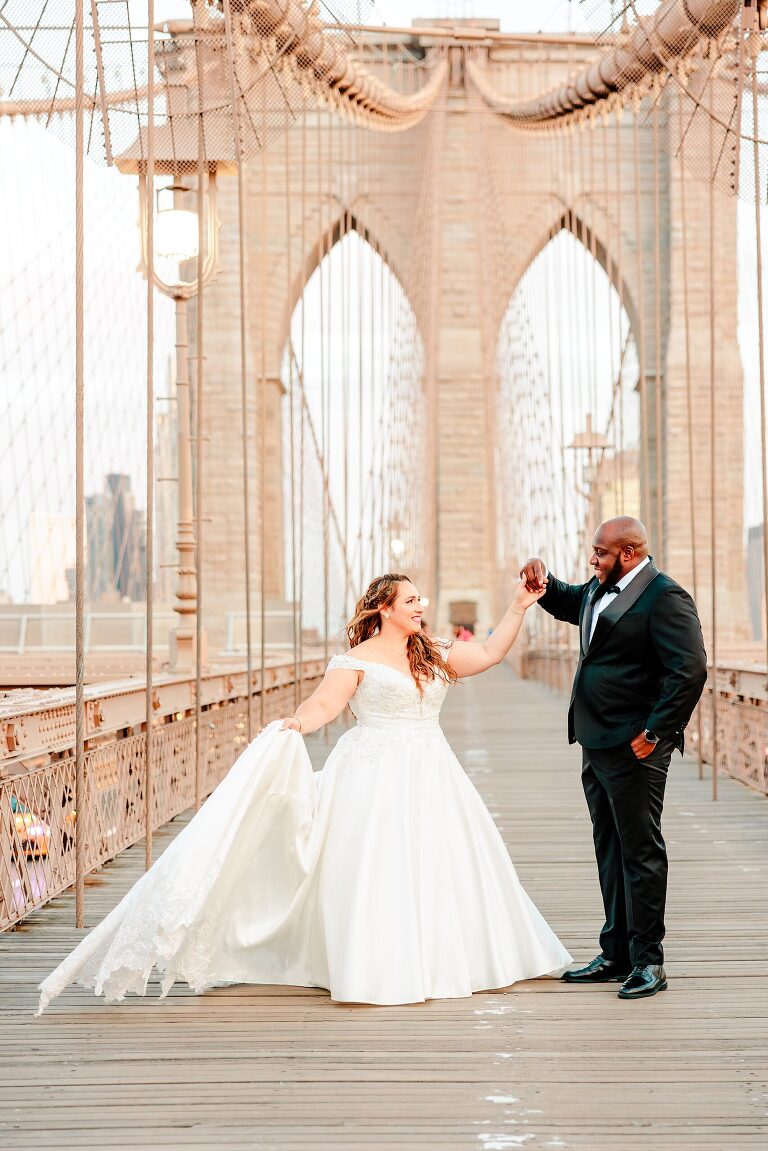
(534, 573)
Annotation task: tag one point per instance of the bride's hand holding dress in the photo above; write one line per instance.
(326, 703)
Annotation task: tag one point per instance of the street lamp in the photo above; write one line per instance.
(176, 235)
(177, 149)
(176, 229)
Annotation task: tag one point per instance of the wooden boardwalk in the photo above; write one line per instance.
(539, 1066)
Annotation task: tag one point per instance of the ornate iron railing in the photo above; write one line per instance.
(741, 710)
(37, 768)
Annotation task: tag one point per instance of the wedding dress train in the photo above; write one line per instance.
(382, 878)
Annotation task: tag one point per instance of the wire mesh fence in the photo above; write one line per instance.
(39, 807)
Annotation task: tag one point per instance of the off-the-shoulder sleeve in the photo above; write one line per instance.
(345, 662)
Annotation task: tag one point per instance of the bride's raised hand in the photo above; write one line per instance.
(290, 723)
(524, 598)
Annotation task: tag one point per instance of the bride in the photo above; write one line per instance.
(381, 878)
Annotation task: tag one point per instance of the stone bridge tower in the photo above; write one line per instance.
(465, 175)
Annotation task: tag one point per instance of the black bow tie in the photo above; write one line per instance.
(605, 589)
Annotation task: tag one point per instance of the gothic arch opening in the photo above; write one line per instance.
(568, 408)
(570, 222)
(354, 421)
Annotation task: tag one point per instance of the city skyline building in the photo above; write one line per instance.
(116, 556)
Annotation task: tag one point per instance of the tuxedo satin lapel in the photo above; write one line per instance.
(586, 617)
(621, 604)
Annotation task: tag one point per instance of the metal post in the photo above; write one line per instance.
(713, 432)
(149, 788)
(200, 784)
(80, 778)
(245, 422)
(182, 655)
(689, 409)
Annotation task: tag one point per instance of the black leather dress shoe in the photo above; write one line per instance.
(600, 970)
(642, 982)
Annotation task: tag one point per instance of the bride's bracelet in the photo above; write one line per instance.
(299, 723)
(520, 612)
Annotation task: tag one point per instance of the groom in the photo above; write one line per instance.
(641, 671)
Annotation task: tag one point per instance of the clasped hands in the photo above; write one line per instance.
(534, 573)
(533, 584)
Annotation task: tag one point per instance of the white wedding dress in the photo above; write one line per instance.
(382, 878)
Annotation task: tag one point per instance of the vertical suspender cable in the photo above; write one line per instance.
(610, 269)
(322, 252)
(360, 389)
(150, 433)
(620, 289)
(239, 151)
(592, 128)
(80, 780)
(302, 420)
(572, 298)
(261, 406)
(374, 447)
(658, 455)
(388, 420)
(760, 321)
(328, 381)
(344, 160)
(291, 406)
(712, 430)
(561, 399)
(645, 476)
(201, 173)
(433, 396)
(549, 621)
(580, 294)
(385, 478)
(689, 394)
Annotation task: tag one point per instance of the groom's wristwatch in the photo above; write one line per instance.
(650, 736)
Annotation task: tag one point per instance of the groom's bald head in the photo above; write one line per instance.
(625, 532)
(618, 546)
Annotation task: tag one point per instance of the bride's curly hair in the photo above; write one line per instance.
(424, 657)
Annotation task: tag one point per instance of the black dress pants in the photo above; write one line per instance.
(625, 796)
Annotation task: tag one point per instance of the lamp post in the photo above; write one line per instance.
(176, 239)
(594, 444)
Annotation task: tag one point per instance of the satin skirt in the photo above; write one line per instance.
(381, 878)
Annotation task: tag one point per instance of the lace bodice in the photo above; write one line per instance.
(388, 698)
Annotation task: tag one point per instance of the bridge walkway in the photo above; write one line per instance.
(540, 1066)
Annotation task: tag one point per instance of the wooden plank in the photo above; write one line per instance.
(538, 1065)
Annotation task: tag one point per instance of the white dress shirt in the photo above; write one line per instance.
(621, 584)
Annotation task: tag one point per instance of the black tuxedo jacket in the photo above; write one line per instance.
(646, 665)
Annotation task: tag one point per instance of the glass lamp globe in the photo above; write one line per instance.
(397, 547)
(176, 229)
